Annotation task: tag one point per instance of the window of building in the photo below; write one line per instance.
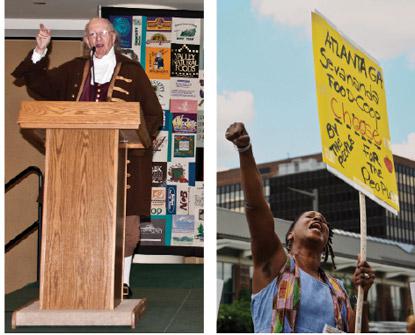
(267, 189)
(264, 170)
(371, 298)
(396, 302)
(219, 270)
(224, 272)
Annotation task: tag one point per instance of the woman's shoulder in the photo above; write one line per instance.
(266, 291)
(272, 286)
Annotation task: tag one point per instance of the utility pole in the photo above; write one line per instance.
(313, 194)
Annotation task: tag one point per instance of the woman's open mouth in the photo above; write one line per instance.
(315, 225)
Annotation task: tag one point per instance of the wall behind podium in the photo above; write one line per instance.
(20, 202)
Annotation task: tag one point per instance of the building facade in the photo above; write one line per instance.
(289, 185)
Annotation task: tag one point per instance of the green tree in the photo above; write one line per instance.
(236, 317)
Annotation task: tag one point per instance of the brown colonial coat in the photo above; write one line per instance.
(129, 83)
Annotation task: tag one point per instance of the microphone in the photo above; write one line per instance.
(93, 49)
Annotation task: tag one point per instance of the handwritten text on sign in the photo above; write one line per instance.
(353, 117)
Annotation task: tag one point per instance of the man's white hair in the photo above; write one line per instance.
(108, 22)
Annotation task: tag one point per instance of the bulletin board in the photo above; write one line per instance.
(168, 44)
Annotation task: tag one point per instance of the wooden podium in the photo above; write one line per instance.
(85, 186)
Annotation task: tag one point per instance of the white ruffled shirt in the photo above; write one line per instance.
(103, 67)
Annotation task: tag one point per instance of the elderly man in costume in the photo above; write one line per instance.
(105, 75)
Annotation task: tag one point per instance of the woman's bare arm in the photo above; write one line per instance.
(267, 251)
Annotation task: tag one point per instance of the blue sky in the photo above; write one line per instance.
(266, 76)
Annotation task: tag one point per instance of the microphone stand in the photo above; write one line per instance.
(92, 53)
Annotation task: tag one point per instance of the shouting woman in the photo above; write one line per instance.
(291, 292)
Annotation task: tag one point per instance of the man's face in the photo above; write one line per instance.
(100, 36)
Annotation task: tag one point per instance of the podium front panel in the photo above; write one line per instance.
(80, 219)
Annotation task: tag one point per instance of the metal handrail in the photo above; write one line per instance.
(19, 237)
(35, 225)
(26, 172)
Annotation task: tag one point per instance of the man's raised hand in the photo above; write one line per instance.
(43, 38)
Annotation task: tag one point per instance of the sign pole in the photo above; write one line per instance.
(363, 230)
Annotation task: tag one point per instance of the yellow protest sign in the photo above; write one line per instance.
(353, 117)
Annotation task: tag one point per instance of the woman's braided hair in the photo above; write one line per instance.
(328, 249)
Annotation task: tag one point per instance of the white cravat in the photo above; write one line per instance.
(104, 67)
